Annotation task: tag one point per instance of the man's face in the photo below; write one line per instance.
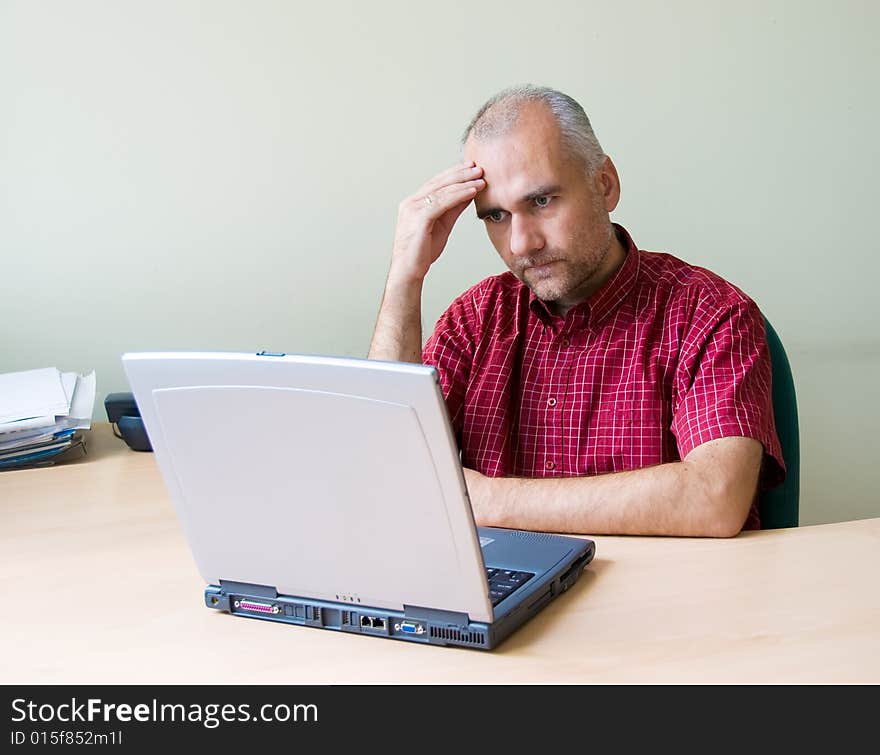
(545, 215)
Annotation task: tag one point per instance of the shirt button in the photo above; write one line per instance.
(551, 402)
(549, 464)
(565, 343)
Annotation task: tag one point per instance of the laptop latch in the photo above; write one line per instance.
(246, 588)
(435, 616)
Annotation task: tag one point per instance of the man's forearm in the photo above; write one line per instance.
(398, 333)
(660, 500)
(708, 496)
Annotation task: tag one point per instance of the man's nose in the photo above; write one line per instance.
(525, 236)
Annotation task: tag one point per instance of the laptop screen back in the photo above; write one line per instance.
(336, 479)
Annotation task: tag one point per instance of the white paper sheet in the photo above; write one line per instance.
(32, 393)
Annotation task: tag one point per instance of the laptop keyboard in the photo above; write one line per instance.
(502, 582)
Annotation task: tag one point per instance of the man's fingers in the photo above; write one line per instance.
(447, 189)
(452, 170)
(455, 175)
(451, 216)
(437, 202)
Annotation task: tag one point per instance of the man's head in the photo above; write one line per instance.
(549, 191)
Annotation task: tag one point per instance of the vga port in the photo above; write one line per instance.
(410, 627)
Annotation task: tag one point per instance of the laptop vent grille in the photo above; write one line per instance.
(346, 618)
(456, 635)
(530, 535)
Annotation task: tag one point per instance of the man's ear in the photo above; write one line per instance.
(608, 183)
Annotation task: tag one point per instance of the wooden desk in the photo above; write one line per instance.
(98, 586)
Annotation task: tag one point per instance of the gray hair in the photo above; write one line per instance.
(499, 114)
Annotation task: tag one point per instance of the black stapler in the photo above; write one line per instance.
(123, 413)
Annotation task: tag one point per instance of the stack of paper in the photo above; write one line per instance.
(40, 412)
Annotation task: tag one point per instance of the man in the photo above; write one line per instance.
(594, 388)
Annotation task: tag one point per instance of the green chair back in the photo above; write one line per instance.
(779, 506)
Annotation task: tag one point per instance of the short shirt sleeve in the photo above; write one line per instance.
(450, 350)
(723, 384)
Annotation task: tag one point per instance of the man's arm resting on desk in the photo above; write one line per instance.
(707, 494)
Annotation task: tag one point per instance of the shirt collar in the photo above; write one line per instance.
(609, 297)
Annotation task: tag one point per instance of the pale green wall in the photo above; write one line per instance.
(220, 175)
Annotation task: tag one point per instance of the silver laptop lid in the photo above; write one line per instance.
(330, 478)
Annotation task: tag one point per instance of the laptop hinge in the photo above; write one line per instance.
(425, 614)
(246, 588)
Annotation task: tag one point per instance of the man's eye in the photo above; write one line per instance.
(542, 201)
(495, 217)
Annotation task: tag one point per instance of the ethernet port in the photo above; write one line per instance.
(374, 622)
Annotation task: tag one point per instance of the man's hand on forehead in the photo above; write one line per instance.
(424, 222)
(426, 218)
(453, 185)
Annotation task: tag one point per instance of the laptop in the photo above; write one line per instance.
(328, 492)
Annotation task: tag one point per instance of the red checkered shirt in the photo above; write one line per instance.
(664, 357)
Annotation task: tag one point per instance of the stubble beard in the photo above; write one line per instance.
(570, 274)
